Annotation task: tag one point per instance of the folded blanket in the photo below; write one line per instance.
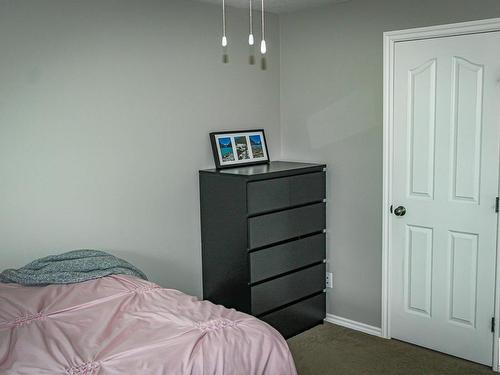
(71, 267)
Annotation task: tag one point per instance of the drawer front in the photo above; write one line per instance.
(287, 257)
(279, 226)
(298, 317)
(285, 192)
(278, 292)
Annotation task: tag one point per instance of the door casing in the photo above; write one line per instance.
(390, 40)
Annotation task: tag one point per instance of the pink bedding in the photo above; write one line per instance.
(121, 325)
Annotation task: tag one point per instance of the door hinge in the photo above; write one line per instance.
(493, 324)
(497, 204)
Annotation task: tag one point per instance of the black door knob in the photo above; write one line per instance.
(400, 211)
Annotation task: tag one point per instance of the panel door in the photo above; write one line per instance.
(445, 175)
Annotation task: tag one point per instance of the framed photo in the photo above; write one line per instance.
(237, 148)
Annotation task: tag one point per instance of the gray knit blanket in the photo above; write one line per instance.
(71, 267)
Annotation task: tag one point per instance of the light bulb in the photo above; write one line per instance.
(251, 40)
(263, 48)
(224, 41)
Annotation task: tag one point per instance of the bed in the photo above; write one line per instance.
(121, 324)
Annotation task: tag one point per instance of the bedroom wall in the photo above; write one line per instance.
(105, 109)
(331, 111)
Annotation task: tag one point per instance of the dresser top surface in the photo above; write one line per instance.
(260, 169)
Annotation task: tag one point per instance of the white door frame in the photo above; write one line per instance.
(390, 40)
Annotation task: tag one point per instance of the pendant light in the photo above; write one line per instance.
(250, 36)
(263, 47)
(224, 38)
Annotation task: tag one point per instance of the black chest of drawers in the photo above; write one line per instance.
(263, 242)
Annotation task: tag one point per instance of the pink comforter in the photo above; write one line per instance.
(121, 325)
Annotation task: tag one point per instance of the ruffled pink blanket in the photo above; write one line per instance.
(121, 325)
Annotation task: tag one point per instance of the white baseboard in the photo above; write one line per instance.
(357, 326)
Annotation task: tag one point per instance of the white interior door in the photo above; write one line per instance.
(445, 174)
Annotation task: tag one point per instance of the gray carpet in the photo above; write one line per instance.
(330, 349)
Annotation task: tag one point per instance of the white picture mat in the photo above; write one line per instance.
(232, 136)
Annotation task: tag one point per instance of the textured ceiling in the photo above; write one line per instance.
(277, 6)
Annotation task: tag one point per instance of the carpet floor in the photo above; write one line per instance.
(331, 349)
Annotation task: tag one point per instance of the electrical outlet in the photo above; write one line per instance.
(329, 280)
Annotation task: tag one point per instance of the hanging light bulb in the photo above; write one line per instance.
(263, 47)
(224, 38)
(250, 36)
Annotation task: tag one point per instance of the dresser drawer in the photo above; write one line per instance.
(298, 317)
(279, 226)
(279, 193)
(286, 257)
(275, 293)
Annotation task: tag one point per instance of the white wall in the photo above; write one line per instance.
(331, 111)
(105, 110)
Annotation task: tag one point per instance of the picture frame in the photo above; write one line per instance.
(239, 148)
